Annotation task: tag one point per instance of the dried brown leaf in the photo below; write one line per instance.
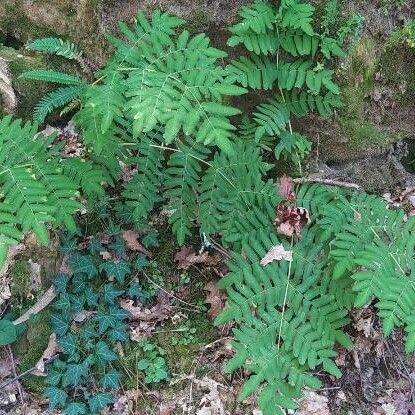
(290, 219)
(131, 239)
(51, 350)
(276, 253)
(144, 320)
(215, 298)
(187, 257)
(286, 188)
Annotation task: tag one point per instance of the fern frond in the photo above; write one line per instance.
(35, 191)
(53, 76)
(182, 181)
(55, 46)
(283, 334)
(142, 192)
(258, 17)
(56, 99)
(102, 113)
(176, 84)
(295, 15)
(231, 192)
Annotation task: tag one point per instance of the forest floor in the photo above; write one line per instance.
(378, 376)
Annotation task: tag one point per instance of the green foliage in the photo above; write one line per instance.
(35, 190)
(153, 363)
(55, 46)
(290, 314)
(291, 58)
(8, 332)
(74, 85)
(88, 322)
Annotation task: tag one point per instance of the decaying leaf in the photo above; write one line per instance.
(276, 253)
(290, 219)
(187, 257)
(131, 239)
(144, 320)
(215, 298)
(51, 350)
(5, 292)
(211, 403)
(313, 404)
(286, 188)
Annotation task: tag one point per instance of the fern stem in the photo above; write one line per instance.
(284, 305)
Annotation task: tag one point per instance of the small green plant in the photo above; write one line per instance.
(187, 336)
(39, 187)
(88, 322)
(153, 364)
(291, 57)
(72, 87)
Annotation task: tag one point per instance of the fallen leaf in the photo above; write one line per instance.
(215, 298)
(286, 188)
(211, 403)
(187, 257)
(81, 316)
(51, 350)
(313, 404)
(290, 219)
(131, 239)
(166, 409)
(144, 320)
(276, 253)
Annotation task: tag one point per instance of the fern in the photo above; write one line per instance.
(289, 320)
(181, 182)
(271, 33)
(35, 191)
(53, 76)
(56, 99)
(55, 46)
(142, 192)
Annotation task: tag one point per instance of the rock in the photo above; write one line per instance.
(27, 93)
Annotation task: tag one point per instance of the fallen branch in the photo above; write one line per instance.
(43, 301)
(26, 372)
(329, 182)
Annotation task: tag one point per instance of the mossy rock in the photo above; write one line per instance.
(29, 349)
(28, 92)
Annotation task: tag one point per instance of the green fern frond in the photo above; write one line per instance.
(176, 84)
(56, 99)
(288, 324)
(182, 182)
(102, 113)
(295, 15)
(233, 194)
(142, 192)
(53, 76)
(35, 191)
(55, 46)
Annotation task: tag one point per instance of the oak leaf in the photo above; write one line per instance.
(131, 239)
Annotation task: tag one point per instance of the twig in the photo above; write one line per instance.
(43, 301)
(26, 372)
(19, 386)
(329, 182)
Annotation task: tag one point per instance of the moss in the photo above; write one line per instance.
(30, 347)
(363, 134)
(20, 278)
(360, 77)
(398, 69)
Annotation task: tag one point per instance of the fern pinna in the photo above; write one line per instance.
(290, 57)
(37, 185)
